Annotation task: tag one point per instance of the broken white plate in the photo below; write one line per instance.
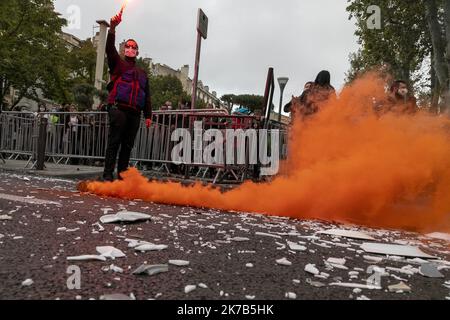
(151, 270)
(395, 250)
(296, 247)
(86, 258)
(189, 288)
(27, 283)
(151, 247)
(179, 263)
(311, 268)
(430, 271)
(291, 295)
(115, 296)
(347, 234)
(238, 239)
(125, 216)
(401, 287)
(110, 252)
(439, 235)
(355, 285)
(284, 262)
(5, 217)
(336, 261)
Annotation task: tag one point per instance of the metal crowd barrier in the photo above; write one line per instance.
(82, 138)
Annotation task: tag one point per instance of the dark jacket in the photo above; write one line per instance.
(399, 105)
(117, 68)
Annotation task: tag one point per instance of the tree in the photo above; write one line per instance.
(32, 53)
(229, 101)
(400, 45)
(166, 88)
(413, 33)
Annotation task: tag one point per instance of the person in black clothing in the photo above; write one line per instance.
(129, 96)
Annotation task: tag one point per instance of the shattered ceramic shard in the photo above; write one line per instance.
(373, 259)
(115, 269)
(125, 216)
(150, 247)
(249, 297)
(399, 287)
(189, 288)
(296, 247)
(110, 252)
(263, 234)
(395, 250)
(5, 217)
(316, 284)
(347, 234)
(27, 283)
(284, 262)
(151, 270)
(203, 286)
(357, 291)
(336, 261)
(115, 296)
(239, 239)
(179, 263)
(249, 265)
(430, 271)
(291, 295)
(311, 268)
(355, 285)
(86, 258)
(439, 235)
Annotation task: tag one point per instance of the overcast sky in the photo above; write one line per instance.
(246, 37)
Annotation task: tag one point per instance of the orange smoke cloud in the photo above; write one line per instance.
(345, 165)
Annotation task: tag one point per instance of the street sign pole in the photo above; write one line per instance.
(202, 32)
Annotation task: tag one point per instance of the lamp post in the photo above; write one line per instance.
(282, 82)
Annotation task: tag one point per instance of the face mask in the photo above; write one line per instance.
(131, 51)
(403, 92)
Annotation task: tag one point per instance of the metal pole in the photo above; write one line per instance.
(281, 104)
(196, 70)
(42, 141)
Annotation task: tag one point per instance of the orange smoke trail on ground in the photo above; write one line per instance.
(346, 165)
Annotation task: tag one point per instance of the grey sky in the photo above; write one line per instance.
(296, 37)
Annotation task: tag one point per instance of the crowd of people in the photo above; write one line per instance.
(398, 100)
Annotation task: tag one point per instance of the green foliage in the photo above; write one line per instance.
(399, 47)
(166, 88)
(32, 54)
(250, 101)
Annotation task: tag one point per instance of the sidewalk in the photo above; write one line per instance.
(53, 170)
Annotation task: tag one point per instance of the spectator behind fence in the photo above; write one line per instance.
(399, 100)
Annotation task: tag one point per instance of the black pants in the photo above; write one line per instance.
(123, 128)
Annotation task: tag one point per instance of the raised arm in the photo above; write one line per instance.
(111, 51)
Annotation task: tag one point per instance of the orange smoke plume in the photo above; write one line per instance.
(345, 164)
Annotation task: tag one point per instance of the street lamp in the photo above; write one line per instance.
(282, 82)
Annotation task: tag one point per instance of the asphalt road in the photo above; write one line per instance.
(232, 256)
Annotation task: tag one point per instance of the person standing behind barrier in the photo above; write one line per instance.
(313, 99)
(129, 95)
(399, 100)
(74, 121)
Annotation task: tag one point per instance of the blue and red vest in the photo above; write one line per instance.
(129, 89)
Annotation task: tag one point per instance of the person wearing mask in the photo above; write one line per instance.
(129, 97)
(399, 100)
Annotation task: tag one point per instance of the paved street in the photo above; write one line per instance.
(231, 256)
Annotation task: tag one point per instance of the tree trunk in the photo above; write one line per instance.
(439, 56)
(447, 56)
